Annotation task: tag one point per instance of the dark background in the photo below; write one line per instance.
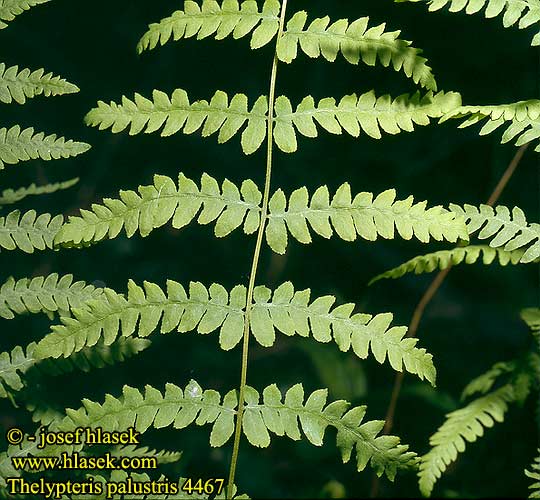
(473, 321)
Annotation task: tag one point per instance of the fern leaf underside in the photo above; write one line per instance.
(350, 217)
(352, 114)
(206, 310)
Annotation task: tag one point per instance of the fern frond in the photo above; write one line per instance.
(444, 258)
(465, 424)
(22, 145)
(534, 474)
(383, 453)
(293, 313)
(10, 196)
(202, 309)
(18, 85)
(484, 383)
(356, 42)
(352, 114)
(509, 230)
(206, 310)
(17, 363)
(11, 8)
(44, 294)
(178, 114)
(222, 19)
(523, 12)
(28, 232)
(154, 205)
(360, 216)
(193, 405)
(524, 118)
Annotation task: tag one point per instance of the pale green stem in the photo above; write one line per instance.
(256, 256)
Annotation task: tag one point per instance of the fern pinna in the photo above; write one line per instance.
(95, 327)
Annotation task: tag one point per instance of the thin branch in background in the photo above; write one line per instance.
(426, 299)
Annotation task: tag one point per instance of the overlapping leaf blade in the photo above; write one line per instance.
(509, 230)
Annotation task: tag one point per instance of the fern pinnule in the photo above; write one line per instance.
(523, 118)
(22, 145)
(355, 41)
(11, 8)
(524, 13)
(29, 232)
(465, 424)
(10, 196)
(49, 294)
(444, 258)
(20, 85)
(222, 19)
(509, 230)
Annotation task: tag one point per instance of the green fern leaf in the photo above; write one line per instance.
(28, 232)
(465, 424)
(509, 230)
(225, 19)
(534, 474)
(155, 205)
(44, 294)
(384, 453)
(524, 118)
(140, 312)
(444, 258)
(207, 310)
(193, 405)
(11, 8)
(292, 313)
(356, 42)
(10, 196)
(364, 216)
(17, 363)
(353, 114)
(178, 114)
(523, 12)
(484, 383)
(359, 216)
(21, 145)
(18, 85)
